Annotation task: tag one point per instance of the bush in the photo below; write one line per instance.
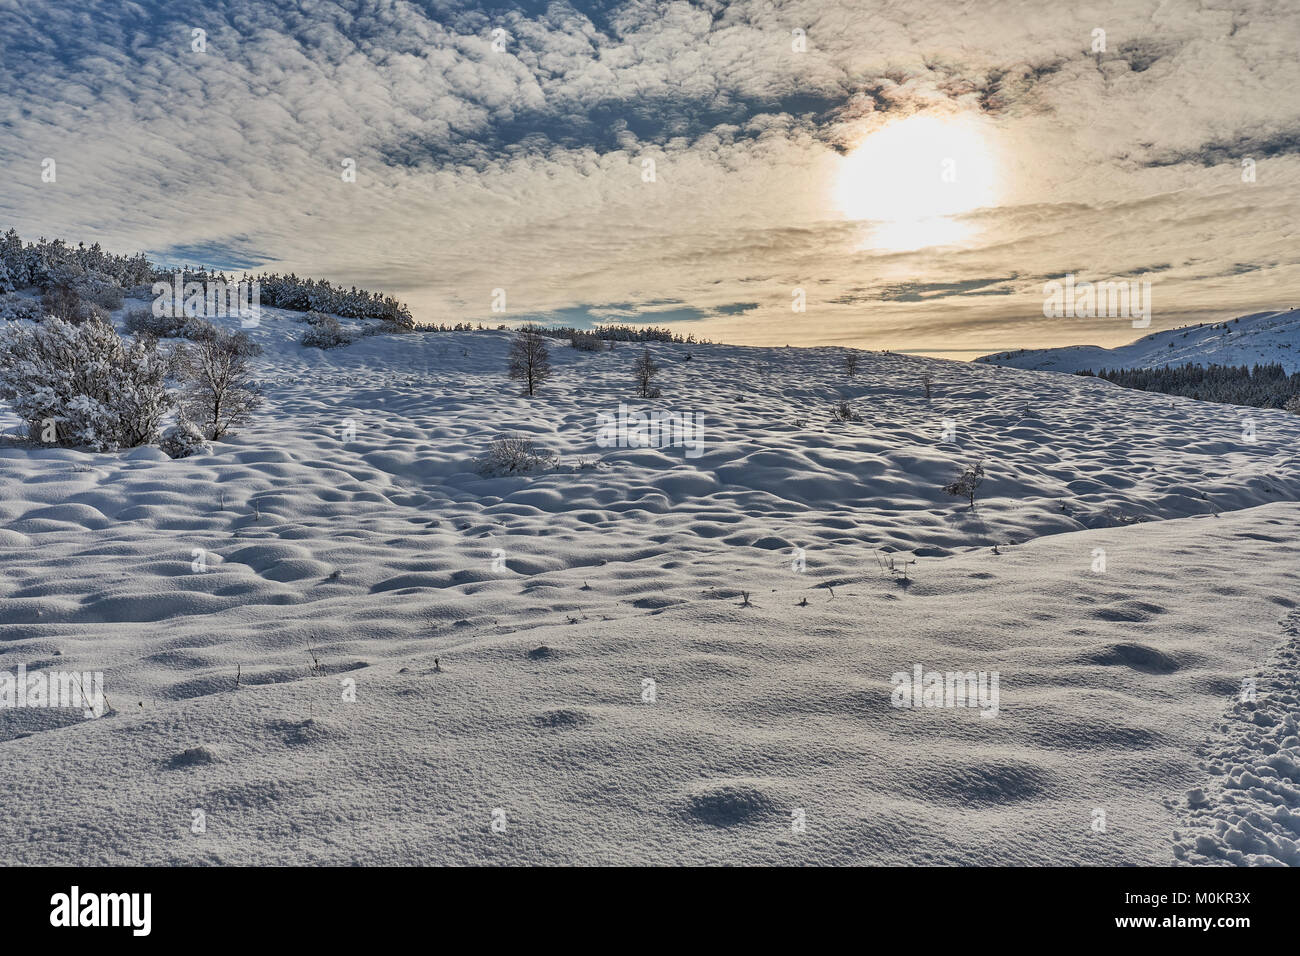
(63, 302)
(587, 342)
(851, 360)
(184, 439)
(1293, 406)
(386, 328)
(513, 454)
(144, 322)
(16, 308)
(325, 332)
(98, 289)
(843, 412)
(966, 483)
(83, 385)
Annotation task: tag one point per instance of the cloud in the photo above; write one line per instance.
(525, 167)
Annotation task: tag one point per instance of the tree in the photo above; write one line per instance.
(850, 363)
(220, 393)
(966, 483)
(645, 370)
(529, 360)
(927, 381)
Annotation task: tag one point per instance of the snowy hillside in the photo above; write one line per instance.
(645, 655)
(1257, 339)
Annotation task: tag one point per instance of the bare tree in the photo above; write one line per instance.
(851, 363)
(927, 380)
(645, 370)
(220, 393)
(530, 361)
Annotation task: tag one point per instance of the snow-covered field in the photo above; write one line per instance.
(1257, 339)
(633, 665)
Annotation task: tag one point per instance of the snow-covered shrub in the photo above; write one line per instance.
(81, 384)
(843, 412)
(15, 308)
(219, 390)
(184, 439)
(201, 330)
(64, 302)
(99, 289)
(1293, 406)
(385, 328)
(144, 322)
(587, 342)
(967, 483)
(325, 332)
(513, 454)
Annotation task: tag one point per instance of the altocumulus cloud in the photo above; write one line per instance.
(521, 167)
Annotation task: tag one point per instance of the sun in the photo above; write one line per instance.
(911, 176)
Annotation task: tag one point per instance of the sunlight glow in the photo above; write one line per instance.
(909, 177)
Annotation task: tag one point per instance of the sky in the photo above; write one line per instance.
(902, 175)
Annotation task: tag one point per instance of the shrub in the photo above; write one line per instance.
(98, 289)
(220, 393)
(851, 360)
(513, 454)
(63, 302)
(184, 439)
(144, 322)
(15, 308)
(966, 483)
(843, 412)
(82, 385)
(325, 332)
(386, 328)
(587, 342)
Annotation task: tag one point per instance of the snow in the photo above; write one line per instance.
(1258, 339)
(617, 659)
